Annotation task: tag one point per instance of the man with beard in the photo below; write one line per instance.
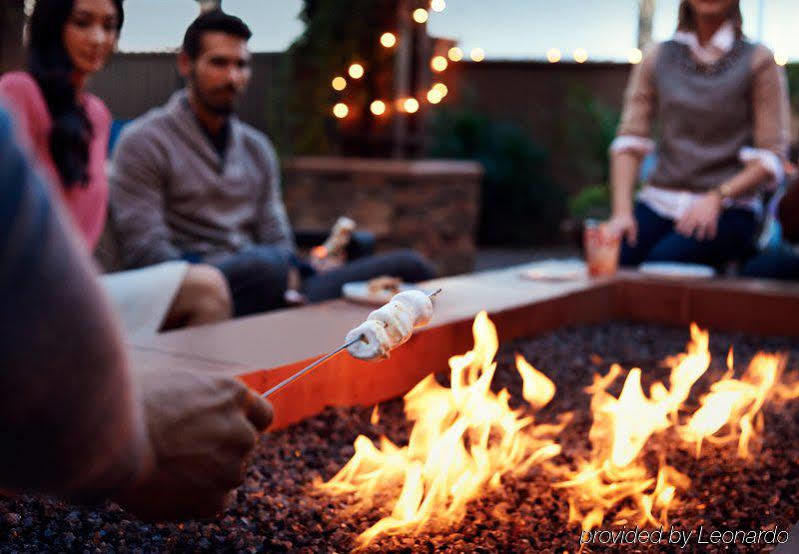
(191, 181)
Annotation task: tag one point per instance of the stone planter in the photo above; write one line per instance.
(430, 205)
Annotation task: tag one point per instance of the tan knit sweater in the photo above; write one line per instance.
(769, 98)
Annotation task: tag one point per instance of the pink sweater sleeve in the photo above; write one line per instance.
(23, 99)
(88, 205)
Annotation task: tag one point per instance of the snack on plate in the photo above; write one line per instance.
(384, 284)
(391, 325)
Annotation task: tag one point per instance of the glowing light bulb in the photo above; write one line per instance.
(388, 39)
(554, 55)
(356, 71)
(420, 15)
(438, 5)
(439, 63)
(455, 54)
(378, 107)
(339, 83)
(433, 96)
(341, 110)
(635, 56)
(580, 55)
(780, 58)
(441, 88)
(478, 54)
(411, 105)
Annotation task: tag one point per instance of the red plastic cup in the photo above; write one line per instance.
(601, 248)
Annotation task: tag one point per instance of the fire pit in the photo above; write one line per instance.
(524, 498)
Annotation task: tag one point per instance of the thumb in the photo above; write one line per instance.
(258, 410)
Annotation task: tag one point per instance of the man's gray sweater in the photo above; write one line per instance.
(173, 195)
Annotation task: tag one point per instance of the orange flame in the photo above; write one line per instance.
(464, 440)
(735, 403)
(616, 477)
(615, 474)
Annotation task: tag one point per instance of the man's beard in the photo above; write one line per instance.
(206, 99)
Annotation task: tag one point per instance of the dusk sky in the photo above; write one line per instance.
(505, 29)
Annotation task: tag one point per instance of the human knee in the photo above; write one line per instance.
(209, 293)
(270, 266)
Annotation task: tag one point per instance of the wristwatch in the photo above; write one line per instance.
(724, 191)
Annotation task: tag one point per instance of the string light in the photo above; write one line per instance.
(455, 54)
(439, 63)
(356, 71)
(339, 83)
(635, 56)
(553, 55)
(478, 54)
(341, 110)
(441, 88)
(433, 96)
(411, 105)
(378, 107)
(420, 15)
(388, 39)
(438, 5)
(580, 55)
(780, 58)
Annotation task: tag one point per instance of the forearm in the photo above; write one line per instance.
(624, 168)
(70, 421)
(137, 201)
(137, 220)
(746, 181)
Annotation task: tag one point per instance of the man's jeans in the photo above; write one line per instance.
(258, 275)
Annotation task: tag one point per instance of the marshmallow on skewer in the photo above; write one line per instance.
(391, 325)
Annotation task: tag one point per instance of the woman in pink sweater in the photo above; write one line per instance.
(66, 131)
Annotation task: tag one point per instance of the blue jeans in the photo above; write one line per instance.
(658, 241)
(258, 275)
(775, 263)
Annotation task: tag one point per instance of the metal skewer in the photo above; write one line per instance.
(321, 360)
(305, 370)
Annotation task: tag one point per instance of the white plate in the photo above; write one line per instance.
(556, 270)
(677, 270)
(358, 291)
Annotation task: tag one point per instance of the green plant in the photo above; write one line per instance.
(520, 203)
(591, 202)
(587, 134)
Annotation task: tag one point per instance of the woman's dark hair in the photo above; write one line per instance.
(687, 18)
(214, 20)
(50, 65)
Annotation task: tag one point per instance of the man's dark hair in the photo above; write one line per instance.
(215, 20)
